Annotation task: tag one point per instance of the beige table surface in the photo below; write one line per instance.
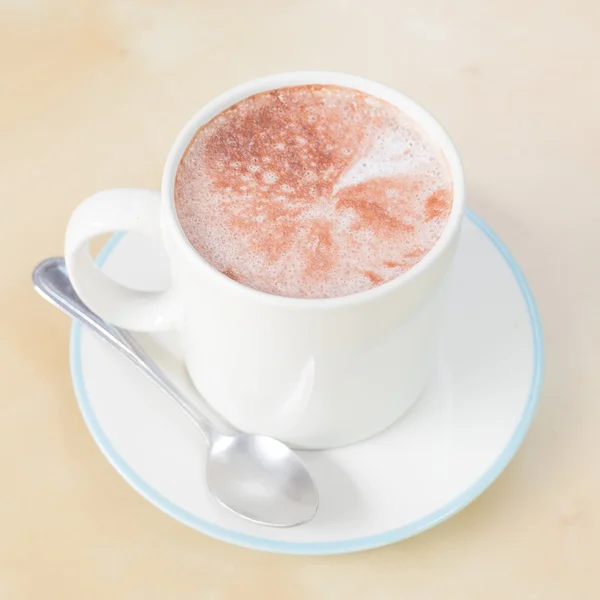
(91, 96)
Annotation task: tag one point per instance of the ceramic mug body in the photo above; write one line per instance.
(314, 373)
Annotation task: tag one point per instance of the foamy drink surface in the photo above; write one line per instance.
(312, 192)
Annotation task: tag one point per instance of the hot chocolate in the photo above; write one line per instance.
(312, 191)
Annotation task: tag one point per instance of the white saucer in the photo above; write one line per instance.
(435, 461)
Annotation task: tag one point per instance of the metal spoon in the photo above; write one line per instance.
(255, 476)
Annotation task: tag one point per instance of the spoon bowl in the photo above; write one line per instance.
(261, 479)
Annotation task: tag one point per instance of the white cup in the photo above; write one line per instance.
(314, 373)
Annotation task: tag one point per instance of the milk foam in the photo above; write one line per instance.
(312, 191)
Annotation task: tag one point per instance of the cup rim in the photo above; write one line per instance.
(282, 80)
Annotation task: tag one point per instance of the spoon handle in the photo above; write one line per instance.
(51, 281)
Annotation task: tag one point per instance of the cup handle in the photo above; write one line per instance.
(106, 212)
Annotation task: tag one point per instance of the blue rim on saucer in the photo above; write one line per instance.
(351, 544)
